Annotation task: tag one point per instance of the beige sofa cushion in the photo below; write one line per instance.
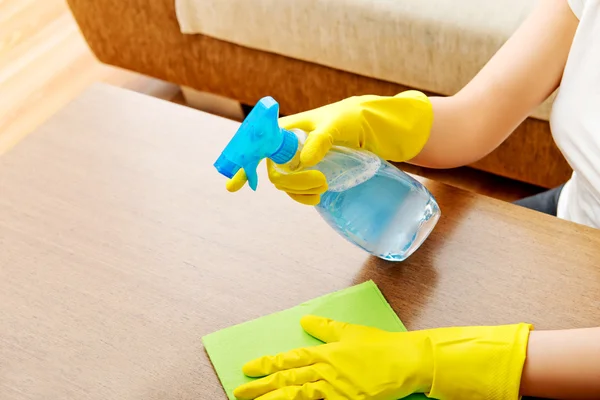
(432, 45)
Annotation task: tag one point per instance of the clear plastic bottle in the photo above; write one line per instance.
(370, 202)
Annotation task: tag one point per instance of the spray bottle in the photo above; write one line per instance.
(370, 202)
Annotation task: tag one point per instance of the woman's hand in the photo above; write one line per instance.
(395, 128)
(359, 362)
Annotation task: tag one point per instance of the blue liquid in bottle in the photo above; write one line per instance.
(389, 215)
(375, 205)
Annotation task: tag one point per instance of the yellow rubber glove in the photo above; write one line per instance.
(395, 128)
(367, 363)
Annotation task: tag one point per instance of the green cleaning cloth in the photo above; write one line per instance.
(229, 349)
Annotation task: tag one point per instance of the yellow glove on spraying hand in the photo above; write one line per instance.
(394, 128)
(366, 363)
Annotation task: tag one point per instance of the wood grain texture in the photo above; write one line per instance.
(120, 248)
(476, 181)
(45, 62)
(144, 36)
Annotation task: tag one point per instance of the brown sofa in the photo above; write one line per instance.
(144, 36)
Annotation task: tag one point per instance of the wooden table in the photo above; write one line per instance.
(120, 248)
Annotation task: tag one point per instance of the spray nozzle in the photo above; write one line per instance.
(258, 137)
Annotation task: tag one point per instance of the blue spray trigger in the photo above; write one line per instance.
(258, 137)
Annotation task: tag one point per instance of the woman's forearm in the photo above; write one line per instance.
(563, 365)
(524, 72)
(450, 143)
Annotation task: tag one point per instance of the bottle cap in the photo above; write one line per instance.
(258, 137)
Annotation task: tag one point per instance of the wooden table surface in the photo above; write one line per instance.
(120, 249)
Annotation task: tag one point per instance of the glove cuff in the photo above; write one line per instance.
(397, 128)
(479, 362)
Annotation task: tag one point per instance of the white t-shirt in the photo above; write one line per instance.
(575, 118)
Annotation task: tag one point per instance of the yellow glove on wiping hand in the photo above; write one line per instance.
(366, 363)
(395, 128)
